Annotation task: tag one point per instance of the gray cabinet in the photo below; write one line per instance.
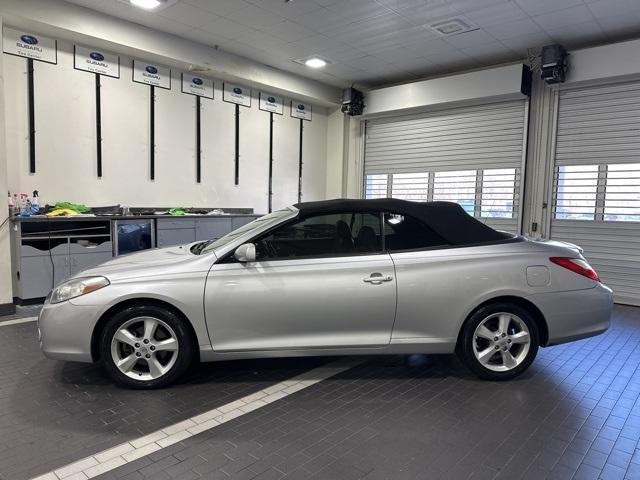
(38, 274)
(82, 261)
(212, 228)
(175, 231)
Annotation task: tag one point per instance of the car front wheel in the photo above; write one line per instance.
(499, 341)
(145, 347)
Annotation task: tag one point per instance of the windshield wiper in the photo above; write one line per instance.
(198, 247)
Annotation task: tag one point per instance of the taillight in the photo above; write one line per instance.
(576, 265)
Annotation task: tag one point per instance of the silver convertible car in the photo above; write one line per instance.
(338, 277)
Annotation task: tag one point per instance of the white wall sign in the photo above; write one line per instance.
(300, 110)
(29, 45)
(236, 94)
(95, 61)
(271, 103)
(150, 74)
(196, 85)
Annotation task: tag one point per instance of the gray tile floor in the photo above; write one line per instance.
(53, 413)
(575, 414)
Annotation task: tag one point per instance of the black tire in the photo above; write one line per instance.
(185, 353)
(465, 348)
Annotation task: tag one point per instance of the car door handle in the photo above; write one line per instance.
(377, 278)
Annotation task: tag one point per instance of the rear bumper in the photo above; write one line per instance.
(576, 314)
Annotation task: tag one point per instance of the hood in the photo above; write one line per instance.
(150, 262)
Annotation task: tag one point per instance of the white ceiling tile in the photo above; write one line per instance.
(227, 28)
(255, 17)
(189, 15)
(496, 14)
(358, 10)
(562, 18)
(468, 39)
(289, 31)
(539, 7)
(493, 52)
(614, 8)
(432, 46)
(323, 20)
(621, 26)
(287, 9)
(513, 29)
(428, 14)
(521, 43)
(219, 7)
(572, 36)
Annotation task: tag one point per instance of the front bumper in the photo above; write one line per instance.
(575, 314)
(65, 330)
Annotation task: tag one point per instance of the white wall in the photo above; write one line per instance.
(5, 258)
(66, 152)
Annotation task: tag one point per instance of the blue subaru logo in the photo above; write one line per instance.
(271, 100)
(237, 90)
(197, 81)
(151, 69)
(300, 107)
(29, 39)
(98, 57)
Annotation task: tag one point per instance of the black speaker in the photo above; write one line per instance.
(553, 64)
(352, 101)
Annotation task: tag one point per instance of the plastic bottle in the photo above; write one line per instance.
(24, 205)
(16, 205)
(35, 203)
(11, 205)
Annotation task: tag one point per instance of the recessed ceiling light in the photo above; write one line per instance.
(146, 4)
(315, 62)
(453, 26)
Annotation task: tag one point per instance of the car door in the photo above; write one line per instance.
(317, 282)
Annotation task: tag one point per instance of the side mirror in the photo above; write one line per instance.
(245, 253)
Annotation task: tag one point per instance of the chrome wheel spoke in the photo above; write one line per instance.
(155, 367)
(484, 332)
(150, 326)
(486, 355)
(127, 349)
(125, 336)
(520, 337)
(508, 360)
(503, 322)
(127, 363)
(170, 344)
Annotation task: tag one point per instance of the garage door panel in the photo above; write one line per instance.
(599, 127)
(469, 142)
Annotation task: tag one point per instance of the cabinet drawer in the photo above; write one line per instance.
(168, 238)
(210, 228)
(90, 245)
(174, 224)
(40, 247)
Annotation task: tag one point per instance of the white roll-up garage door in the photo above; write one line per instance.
(596, 194)
(471, 155)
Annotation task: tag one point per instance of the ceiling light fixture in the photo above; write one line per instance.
(315, 62)
(146, 4)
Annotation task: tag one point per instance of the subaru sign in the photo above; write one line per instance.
(29, 39)
(198, 86)
(236, 94)
(271, 103)
(89, 60)
(301, 110)
(29, 45)
(155, 75)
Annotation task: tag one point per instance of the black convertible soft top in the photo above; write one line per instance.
(447, 219)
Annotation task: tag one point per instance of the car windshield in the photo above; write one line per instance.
(211, 245)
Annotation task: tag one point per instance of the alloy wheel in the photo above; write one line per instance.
(501, 341)
(144, 348)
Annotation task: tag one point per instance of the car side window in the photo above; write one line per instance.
(404, 232)
(323, 236)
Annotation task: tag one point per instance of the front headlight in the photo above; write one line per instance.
(76, 287)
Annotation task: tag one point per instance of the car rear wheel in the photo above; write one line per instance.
(499, 341)
(145, 347)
